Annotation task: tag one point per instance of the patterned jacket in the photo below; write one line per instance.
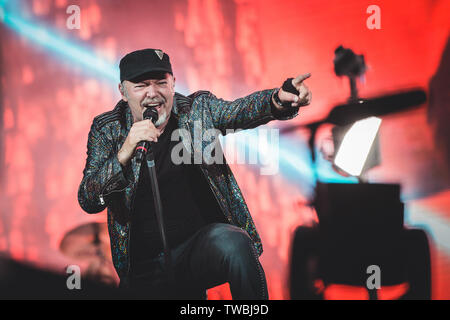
(106, 183)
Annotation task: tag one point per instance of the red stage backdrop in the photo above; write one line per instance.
(50, 93)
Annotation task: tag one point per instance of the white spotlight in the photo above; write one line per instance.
(355, 146)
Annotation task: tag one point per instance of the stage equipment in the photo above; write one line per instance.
(360, 225)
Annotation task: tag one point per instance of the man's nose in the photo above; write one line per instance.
(151, 91)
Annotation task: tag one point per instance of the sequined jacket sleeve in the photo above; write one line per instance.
(103, 174)
(244, 113)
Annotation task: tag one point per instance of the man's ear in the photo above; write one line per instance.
(122, 92)
(173, 85)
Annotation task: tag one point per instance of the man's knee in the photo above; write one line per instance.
(228, 239)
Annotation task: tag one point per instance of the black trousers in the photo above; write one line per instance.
(215, 254)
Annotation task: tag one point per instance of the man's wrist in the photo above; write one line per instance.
(282, 113)
(277, 102)
(122, 158)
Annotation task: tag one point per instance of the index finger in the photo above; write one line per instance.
(299, 79)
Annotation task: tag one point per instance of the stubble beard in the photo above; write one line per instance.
(161, 119)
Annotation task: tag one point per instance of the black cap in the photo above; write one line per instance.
(139, 63)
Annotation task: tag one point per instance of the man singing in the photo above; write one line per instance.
(209, 230)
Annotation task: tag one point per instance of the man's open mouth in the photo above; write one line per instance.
(152, 105)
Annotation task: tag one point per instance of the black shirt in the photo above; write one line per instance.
(187, 201)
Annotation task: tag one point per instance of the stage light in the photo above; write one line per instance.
(354, 149)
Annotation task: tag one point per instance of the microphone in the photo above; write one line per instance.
(143, 146)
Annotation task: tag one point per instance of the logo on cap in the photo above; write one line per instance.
(160, 54)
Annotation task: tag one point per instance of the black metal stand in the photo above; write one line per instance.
(159, 217)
